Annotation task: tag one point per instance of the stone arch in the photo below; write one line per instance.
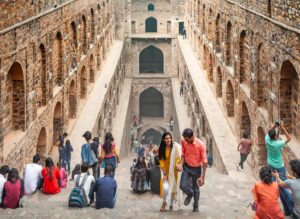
(243, 57)
(15, 100)
(84, 34)
(288, 97)
(92, 25)
(92, 69)
(98, 58)
(150, 7)
(219, 82)
(245, 122)
(151, 60)
(43, 73)
(151, 103)
(152, 135)
(57, 122)
(83, 83)
(228, 44)
(41, 146)
(259, 77)
(218, 42)
(203, 19)
(197, 108)
(72, 100)
(199, 13)
(203, 126)
(151, 25)
(74, 36)
(57, 60)
(204, 57)
(210, 25)
(261, 147)
(211, 69)
(229, 99)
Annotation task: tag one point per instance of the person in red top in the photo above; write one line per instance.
(51, 175)
(244, 148)
(192, 159)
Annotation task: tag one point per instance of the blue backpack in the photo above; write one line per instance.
(77, 197)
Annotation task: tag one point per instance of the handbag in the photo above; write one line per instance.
(23, 201)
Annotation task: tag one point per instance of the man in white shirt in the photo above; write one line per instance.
(32, 175)
(3, 174)
(88, 186)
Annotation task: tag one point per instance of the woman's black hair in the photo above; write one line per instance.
(68, 147)
(272, 134)
(13, 175)
(162, 147)
(295, 167)
(108, 142)
(265, 174)
(59, 165)
(140, 163)
(49, 166)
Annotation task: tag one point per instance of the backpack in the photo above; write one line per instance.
(77, 197)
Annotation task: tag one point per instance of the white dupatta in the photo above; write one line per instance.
(173, 186)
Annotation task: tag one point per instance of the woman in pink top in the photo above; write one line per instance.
(63, 176)
(12, 189)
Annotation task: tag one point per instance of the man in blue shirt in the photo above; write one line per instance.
(106, 189)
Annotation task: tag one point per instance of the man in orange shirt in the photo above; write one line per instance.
(192, 159)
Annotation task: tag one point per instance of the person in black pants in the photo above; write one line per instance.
(193, 162)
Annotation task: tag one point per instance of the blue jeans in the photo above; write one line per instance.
(194, 173)
(284, 193)
(91, 192)
(112, 161)
(65, 163)
(115, 199)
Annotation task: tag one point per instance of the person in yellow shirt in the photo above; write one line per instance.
(169, 154)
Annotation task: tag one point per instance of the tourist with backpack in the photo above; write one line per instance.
(86, 151)
(79, 196)
(106, 189)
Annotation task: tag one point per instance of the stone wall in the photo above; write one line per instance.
(40, 58)
(257, 59)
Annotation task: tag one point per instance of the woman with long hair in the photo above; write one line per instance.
(109, 153)
(67, 149)
(266, 195)
(51, 175)
(169, 155)
(12, 189)
(63, 175)
(139, 182)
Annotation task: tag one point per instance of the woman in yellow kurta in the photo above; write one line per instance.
(169, 156)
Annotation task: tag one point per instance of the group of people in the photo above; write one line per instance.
(174, 166)
(275, 180)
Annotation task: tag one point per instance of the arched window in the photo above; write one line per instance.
(151, 25)
(151, 60)
(228, 44)
(152, 135)
(150, 7)
(151, 103)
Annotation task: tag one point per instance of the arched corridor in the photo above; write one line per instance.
(151, 136)
(151, 103)
(151, 60)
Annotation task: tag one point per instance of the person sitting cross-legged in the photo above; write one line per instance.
(106, 189)
(33, 175)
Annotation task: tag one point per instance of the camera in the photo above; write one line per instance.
(278, 122)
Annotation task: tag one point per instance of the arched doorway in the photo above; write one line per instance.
(261, 147)
(92, 70)
(151, 103)
(43, 72)
(288, 97)
(259, 78)
(228, 44)
(98, 58)
(151, 25)
(243, 57)
(151, 60)
(72, 101)
(57, 122)
(57, 60)
(229, 99)
(245, 120)
(204, 58)
(15, 89)
(41, 146)
(218, 42)
(150, 7)
(219, 82)
(211, 69)
(83, 87)
(84, 35)
(151, 135)
(92, 26)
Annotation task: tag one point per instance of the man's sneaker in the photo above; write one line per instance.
(188, 200)
(195, 209)
(238, 167)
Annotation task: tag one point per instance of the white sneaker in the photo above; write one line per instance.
(238, 167)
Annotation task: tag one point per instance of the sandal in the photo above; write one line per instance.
(163, 207)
